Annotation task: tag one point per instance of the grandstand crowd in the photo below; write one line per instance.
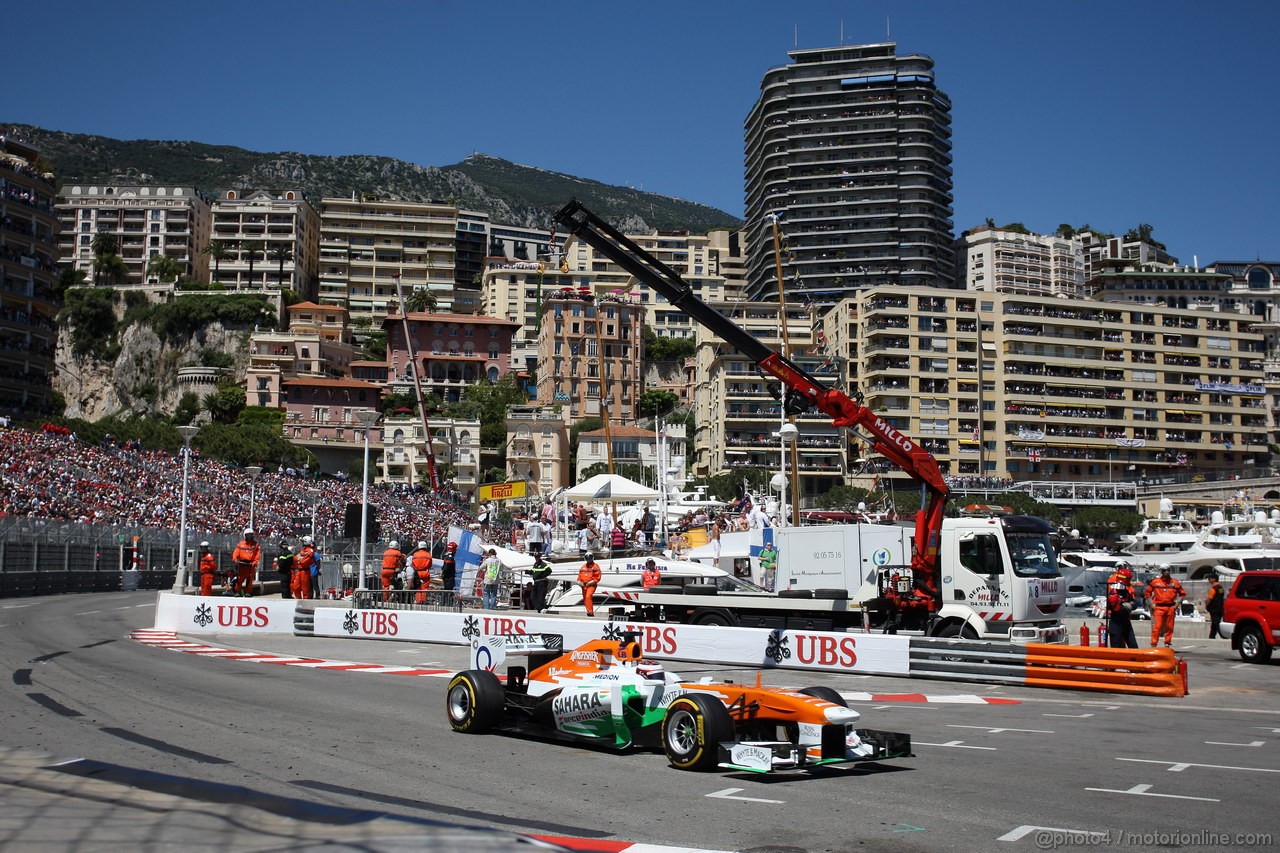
(49, 473)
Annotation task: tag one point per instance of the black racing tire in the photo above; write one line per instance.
(694, 727)
(836, 594)
(475, 701)
(1254, 647)
(819, 691)
(666, 589)
(960, 630)
(714, 618)
(795, 593)
(700, 589)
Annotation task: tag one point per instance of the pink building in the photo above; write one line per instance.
(453, 351)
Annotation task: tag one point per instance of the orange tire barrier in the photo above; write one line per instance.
(1151, 672)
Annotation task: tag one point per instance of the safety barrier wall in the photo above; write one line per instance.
(1152, 672)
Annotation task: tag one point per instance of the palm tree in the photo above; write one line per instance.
(420, 299)
(164, 268)
(110, 267)
(219, 251)
(282, 254)
(104, 244)
(250, 246)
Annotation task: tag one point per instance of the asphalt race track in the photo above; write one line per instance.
(229, 752)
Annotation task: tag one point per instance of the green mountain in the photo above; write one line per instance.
(508, 192)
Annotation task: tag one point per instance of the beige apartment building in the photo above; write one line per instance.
(317, 343)
(366, 242)
(454, 444)
(635, 446)
(537, 449)
(996, 260)
(1041, 388)
(738, 416)
(273, 238)
(147, 220)
(590, 355)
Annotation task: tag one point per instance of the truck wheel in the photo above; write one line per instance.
(714, 618)
(960, 630)
(1253, 646)
(475, 700)
(819, 691)
(693, 729)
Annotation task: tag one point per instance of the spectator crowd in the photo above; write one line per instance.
(50, 474)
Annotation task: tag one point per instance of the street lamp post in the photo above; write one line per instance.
(786, 436)
(367, 417)
(180, 576)
(253, 471)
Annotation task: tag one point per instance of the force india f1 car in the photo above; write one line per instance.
(604, 692)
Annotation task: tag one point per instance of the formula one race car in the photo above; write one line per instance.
(604, 692)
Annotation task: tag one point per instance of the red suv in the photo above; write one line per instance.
(1251, 615)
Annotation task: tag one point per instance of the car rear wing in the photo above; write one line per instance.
(489, 651)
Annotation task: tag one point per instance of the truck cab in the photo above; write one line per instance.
(1000, 580)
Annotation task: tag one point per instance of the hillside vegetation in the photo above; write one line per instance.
(510, 193)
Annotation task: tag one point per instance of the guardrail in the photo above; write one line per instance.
(1150, 672)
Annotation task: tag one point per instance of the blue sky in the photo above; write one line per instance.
(1110, 112)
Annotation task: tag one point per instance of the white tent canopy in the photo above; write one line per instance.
(610, 487)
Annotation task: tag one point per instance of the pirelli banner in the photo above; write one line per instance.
(503, 491)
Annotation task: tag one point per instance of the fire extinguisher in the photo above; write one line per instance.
(1102, 634)
(1084, 635)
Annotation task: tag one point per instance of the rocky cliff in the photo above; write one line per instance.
(144, 378)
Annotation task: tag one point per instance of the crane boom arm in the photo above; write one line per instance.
(803, 390)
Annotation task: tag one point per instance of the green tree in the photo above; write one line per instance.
(69, 278)
(1105, 523)
(281, 254)
(91, 314)
(421, 299)
(656, 402)
(667, 349)
(164, 268)
(218, 251)
(843, 498)
(108, 269)
(225, 404)
(187, 409)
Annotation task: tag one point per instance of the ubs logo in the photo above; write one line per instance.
(204, 615)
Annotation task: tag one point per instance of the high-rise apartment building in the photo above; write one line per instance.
(850, 147)
(366, 242)
(738, 415)
(1000, 385)
(273, 239)
(1000, 261)
(28, 281)
(145, 220)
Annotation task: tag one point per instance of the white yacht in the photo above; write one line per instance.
(1160, 538)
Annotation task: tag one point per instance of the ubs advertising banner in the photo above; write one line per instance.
(194, 614)
(880, 654)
